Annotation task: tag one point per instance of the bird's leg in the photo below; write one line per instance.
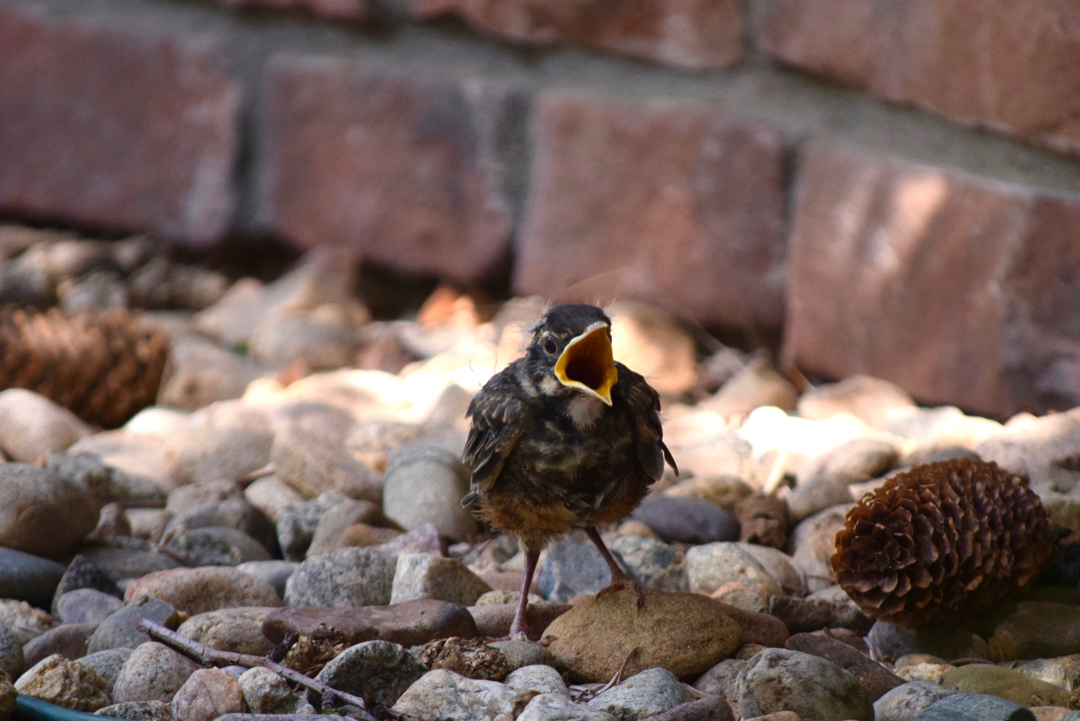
(619, 579)
(519, 625)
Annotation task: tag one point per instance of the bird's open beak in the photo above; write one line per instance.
(587, 365)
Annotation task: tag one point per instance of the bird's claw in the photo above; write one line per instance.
(619, 585)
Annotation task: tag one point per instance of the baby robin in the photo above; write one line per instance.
(564, 437)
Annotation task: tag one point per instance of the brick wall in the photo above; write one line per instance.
(892, 186)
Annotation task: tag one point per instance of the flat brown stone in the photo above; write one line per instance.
(410, 623)
(493, 620)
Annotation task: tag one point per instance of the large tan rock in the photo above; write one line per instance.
(685, 633)
(42, 513)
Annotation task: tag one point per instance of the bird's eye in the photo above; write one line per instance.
(550, 346)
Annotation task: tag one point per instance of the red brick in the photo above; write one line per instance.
(386, 165)
(115, 129)
(669, 202)
(688, 33)
(336, 9)
(960, 289)
(1007, 65)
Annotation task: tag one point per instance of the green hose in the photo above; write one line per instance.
(28, 708)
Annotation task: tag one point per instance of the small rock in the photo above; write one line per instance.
(812, 614)
(270, 494)
(23, 620)
(947, 640)
(979, 678)
(204, 372)
(68, 640)
(152, 672)
(469, 657)
(815, 494)
(82, 574)
(198, 590)
(757, 383)
(445, 694)
(425, 539)
(763, 521)
(906, 702)
(1036, 629)
(120, 563)
(930, 672)
(652, 563)
(237, 630)
(710, 708)
(813, 543)
(1063, 671)
(522, 653)
(313, 462)
(336, 520)
(645, 694)
(573, 567)
(424, 484)
(217, 546)
(267, 693)
(875, 678)
(274, 572)
(375, 670)
(541, 678)
(296, 524)
(120, 629)
(860, 459)
(871, 400)
(12, 660)
(108, 664)
(720, 680)
(207, 694)
(593, 638)
(975, 707)
(43, 513)
(32, 425)
(361, 535)
(410, 624)
(347, 577)
(107, 481)
(712, 565)
(559, 707)
(723, 491)
(138, 711)
(424, 575)
(210, 452)
(687, 520)
(777, 680)
(70, 684)
(232, 513)
(26, 577)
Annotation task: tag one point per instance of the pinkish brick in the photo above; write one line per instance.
(960, 289)
(119, 130)
(384, 164)
(1007, 65)
(669, 202)
(688, 33)
(336, 9)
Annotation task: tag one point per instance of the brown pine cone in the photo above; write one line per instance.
(941, 541)
(104, 367)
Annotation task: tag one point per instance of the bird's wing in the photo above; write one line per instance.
(497, 425)
(644, 406)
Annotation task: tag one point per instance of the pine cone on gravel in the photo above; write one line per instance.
(104, 367)
(941, 541)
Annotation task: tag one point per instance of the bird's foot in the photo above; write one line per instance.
(621, 583)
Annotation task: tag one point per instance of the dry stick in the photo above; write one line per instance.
(206, 655)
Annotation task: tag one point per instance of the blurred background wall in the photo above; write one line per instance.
(888, 187)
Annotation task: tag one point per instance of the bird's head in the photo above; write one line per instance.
(572, 345)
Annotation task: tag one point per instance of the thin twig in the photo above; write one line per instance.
(211, 656)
